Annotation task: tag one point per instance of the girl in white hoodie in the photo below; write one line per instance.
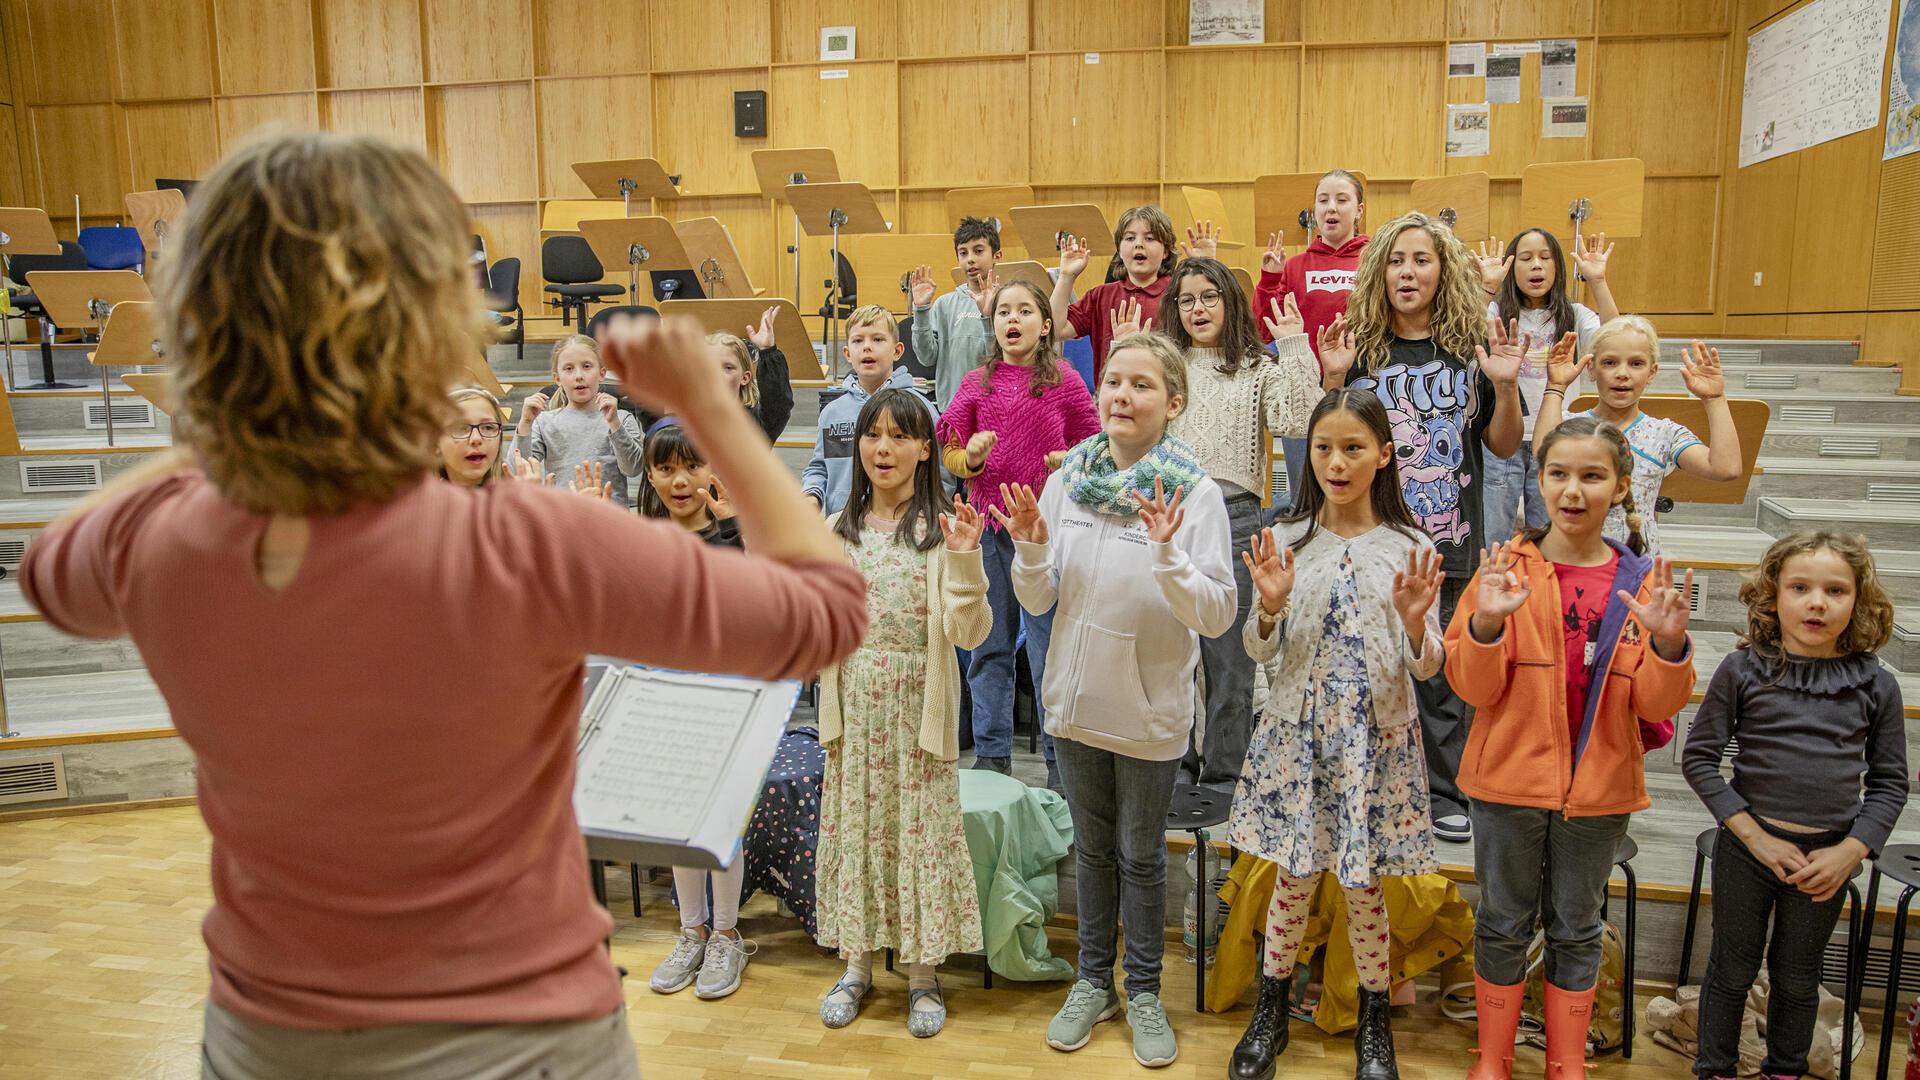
(1129, 546)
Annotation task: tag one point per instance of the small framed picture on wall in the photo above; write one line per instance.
(836, 42)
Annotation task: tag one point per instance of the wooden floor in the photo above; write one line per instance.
(102, 974)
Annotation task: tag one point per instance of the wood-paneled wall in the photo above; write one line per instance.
(1087, 100)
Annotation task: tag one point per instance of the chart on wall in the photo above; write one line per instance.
(1903, 90)
(1811, 77)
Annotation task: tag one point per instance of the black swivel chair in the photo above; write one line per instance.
(71, 257)
(503, 299)
(573, 274)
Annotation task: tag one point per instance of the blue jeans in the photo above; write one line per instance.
(990, 672)
(1119, 807)
(1509, 482)
(1299, 471)
(1216, 760)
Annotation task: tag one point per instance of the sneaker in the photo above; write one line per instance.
(839, 1013)
(1086, 1006)
(720, 972)
(677, 970)
(1153, 1043)
(925, 1023)
(1001, 765)
(1454, 828)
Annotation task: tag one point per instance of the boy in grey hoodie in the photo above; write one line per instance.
(873, 347)
(951, 334)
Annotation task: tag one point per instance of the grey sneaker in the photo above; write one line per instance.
(725, 961)
(677, 970)
(1153, 1043)
(842, 1003)
(926, 1023)
(1086, 1006)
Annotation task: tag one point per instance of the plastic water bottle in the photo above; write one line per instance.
(1190, 919)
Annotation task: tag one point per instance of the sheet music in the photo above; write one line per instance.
(657, 751)
(1811, 77)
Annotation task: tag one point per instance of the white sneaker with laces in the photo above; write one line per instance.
(725, 961)
(677, 970)
(1454, 828)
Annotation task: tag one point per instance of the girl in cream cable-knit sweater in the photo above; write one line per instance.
(1238, 394)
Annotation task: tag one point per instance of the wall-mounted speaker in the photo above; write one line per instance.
(750, 114)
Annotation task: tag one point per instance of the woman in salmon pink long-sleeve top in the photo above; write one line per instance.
(380, 673)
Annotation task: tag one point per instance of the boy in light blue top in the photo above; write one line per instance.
(951, 334)
(873, 347)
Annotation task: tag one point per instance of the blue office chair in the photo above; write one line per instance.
(112, 247)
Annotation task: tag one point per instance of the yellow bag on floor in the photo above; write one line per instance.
(1607, 1030)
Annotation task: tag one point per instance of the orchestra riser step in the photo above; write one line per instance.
(44, 414)
(31, 649)
(1891, 525)
(1896, 483)
(1757, 380)
(66, 473)
(1841, 444)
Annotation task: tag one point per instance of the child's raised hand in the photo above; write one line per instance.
(1700, 370)
(1506, 347)
(1126, 319)
(761, 334)
(1665, 613)
(1827, 869)
(1021, 518)
(1074, 254)
(535, 404)
(1285, 321)
(1590, 255)
(1274, 259)
(664, 364)
(1161, 516)
(521, 468)
(714, 496)
(1270, 565)
(984, 298)
(978, 447)
(1562, 369)
(609, 410)
(962, 526)
(1203, 241)
(1501, 592)
(1336, 349)
(1416, 588)
(587, 481)
(1054, 459)
(1493, 265)
(921, 286)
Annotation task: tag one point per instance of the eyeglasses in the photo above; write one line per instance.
(487, 429)
(1210, 298)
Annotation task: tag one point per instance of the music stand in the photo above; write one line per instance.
(1597, 196)
(153, 214)
(24, 230)
(835, 210)
(777, 170)
(1283, 203)
(637, 242)
(1750, 418)
(716, 262)
(78, 299)
(893, 257)
(1047, 227)
(992, 203)
(734, 316)
(1206, 205)
(565, 215)
(1459, 201)
(155, 386)
(1245, 279)
(129, 337)
(626, 177)
(1010, 272)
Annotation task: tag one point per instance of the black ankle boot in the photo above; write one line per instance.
(1266, 1036)
(1373, 1039)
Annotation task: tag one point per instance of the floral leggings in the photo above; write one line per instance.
(1366, 928)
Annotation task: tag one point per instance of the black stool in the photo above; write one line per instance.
(1623, 854)
(1901, 862)
(1196, 809)
(1856, 942)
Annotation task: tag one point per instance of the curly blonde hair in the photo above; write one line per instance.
(1871, 626)
(749, 393)
(317, 304)
(1458, 320)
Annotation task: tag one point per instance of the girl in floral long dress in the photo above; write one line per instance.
(893, 870)
(1335, 781)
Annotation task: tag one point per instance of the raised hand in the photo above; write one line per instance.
(1270, 565)
(1505, 349)
(1126, 319)
(1337, 350)
(921, 287)
(663, 363)
(1021, 518)
(1416, 588)
(1700, 370)
(1073, 257)
(761, 334)
(1493, 265)
(984, 298)
(714, 496)
(1054, 459)
(609, 410)
(1203, 241)
(1274, 258)
(978, 447)
(1161, 516)
(1590, 255)
(1665, 613)
(522, 468)
(962, 526)
(1500, 592)
(587, 481)
(535, 404)
(1284, 322)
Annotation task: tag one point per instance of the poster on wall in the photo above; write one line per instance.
(1503, 78)
(1559, 58)
(1469, 130)
(1563, 118)
(1226, 22)
(1466, 60)
(1903, 90)
(1811, 77)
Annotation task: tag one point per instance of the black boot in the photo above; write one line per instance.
(1266, 1036)
(1373, 1038)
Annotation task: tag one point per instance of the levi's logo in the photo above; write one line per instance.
(1330, 280)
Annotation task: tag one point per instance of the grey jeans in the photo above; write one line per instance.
(237, 1048)
(1223, 747)
(1119, 806)
(1540, 867)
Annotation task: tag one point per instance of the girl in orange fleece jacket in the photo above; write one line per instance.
(1574, 649)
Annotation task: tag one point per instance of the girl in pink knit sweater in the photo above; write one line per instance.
(1011, 422)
